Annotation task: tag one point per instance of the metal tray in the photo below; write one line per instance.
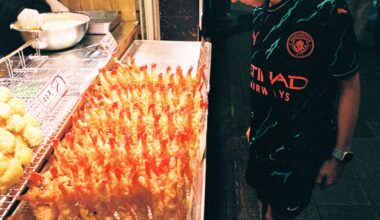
(172, 53)
(102, 22)
(185, 54)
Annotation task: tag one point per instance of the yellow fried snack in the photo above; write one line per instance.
(17, 105)
(5, 111)
(33, 135)
(7, 141)
(22, 152)
(30, 120)
(3, 123)
(11, 175)
(5, 94)
(15, 123)
(3, 163)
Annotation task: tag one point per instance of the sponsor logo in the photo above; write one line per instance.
(264, 81)
(254, 37)
(300, 44)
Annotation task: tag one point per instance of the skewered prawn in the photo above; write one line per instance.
(130, 151)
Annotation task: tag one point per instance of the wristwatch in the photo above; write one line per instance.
(342, 156)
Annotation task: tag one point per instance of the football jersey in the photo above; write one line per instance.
(300, 50)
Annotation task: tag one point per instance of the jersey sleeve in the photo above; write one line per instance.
(341, 42)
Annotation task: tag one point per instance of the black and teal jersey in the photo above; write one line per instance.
(300, 51)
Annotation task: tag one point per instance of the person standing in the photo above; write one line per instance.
(22, 10)
(305, 94)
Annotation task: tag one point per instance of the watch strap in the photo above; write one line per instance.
(339, 154)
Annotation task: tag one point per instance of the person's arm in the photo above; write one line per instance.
(348, 109)
(247, 134)
(57, 6)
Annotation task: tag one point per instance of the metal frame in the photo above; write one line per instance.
(33, 74)
(151, 19)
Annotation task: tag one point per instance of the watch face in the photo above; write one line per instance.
(348, 156)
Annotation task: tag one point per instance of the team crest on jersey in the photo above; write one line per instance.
(300, 44)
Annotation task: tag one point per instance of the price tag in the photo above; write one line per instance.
(54, 90)
(108, 43)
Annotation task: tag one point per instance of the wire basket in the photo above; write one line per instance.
(52, 89)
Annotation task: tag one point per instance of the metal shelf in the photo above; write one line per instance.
(52, 89)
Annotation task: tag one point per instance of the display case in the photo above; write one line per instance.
(53, 87)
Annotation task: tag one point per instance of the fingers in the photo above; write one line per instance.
(319, 179)
(323, 181)
(247, 133)
(330, 182)
(268, 214)
(323, 184)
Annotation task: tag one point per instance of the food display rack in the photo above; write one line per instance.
(52, 88)
(75, 70)
(184, 54)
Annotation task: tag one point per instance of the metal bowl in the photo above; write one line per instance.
(59, 30)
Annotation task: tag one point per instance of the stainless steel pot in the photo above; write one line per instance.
(59, 31)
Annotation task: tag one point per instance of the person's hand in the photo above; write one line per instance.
(29, 19)
(247, 133)
(57, 6)
(329, 173)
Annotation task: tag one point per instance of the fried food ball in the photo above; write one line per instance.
(5, 111)
(30, 120)
(22, 152)
(3, 163)
(15, 123)
(17, 106)
(33, 135)
(11, 175)
(7, 141)
(3, 123)
(5, 94)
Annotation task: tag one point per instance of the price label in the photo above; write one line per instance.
(54, 90)
(108, 43)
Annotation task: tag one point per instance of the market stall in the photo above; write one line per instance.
(56, 87)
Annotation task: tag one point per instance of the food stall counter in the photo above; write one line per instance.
(51, 84)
